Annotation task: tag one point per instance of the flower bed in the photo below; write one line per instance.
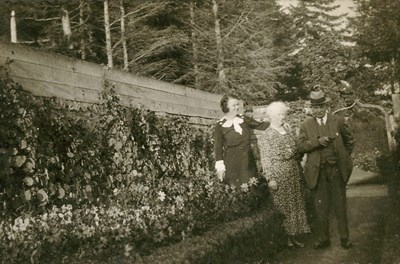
(92, 234)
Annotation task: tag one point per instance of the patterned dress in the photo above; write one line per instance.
(279, 161)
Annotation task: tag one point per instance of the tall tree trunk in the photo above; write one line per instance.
(218, 38)
(194, 45)
(66, 26)
(108, 35)
(123, 38)
(13, 27)
(82, 29)
(89, 29)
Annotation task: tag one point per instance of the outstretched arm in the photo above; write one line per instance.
(254, 124)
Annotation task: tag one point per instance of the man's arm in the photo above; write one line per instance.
(305, 144)
(348, 140)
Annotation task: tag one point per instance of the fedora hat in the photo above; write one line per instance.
(318, 98)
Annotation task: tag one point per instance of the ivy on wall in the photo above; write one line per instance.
(87, 155)
(88, 180)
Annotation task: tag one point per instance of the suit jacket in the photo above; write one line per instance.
(308, 143)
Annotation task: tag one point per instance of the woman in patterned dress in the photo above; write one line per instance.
(281, 166)
(235, 163)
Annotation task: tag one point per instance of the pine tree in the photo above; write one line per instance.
(377, 33)
(317, 50)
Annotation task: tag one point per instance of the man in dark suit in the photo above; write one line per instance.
(328, 143)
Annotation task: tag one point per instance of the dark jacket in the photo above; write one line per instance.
(342, 141)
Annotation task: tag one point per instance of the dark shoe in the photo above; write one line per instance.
(322, 244)
(345, 243)
(297, 243)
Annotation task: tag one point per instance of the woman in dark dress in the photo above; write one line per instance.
(235, 163)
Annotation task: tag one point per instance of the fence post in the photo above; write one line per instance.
(13, 27)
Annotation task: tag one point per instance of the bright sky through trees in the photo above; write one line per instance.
(345, 6)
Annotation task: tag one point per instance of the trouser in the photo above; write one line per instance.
(330, 192)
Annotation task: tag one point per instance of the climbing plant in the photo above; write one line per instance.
(89, 181)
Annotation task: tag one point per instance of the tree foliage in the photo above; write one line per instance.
(268, 53)
(377, 33)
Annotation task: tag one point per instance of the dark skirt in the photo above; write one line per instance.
(240, 165)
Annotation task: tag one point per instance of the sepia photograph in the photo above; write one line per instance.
(200, 131)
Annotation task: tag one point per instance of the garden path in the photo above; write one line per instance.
(368, 204)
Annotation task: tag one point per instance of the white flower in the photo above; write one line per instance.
(127, 250)
(65, 208)
(145, 208)
(253, 181)
(161, 196)
(96, 220)
(44, 217)
(20, 224)
(244, 187)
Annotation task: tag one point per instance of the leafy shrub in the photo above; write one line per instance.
(371, 147)
(93, 181)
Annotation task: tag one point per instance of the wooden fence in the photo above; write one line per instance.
(53, 75)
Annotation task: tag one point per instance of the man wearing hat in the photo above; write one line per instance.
(328, 143)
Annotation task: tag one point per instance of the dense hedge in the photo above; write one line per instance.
(94, 181)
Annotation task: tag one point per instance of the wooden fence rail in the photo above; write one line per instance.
(53, 75)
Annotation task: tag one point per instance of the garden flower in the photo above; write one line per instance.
(96, 220)
(179, 201)
(127, 250)
(28, 181)
(114, 212)
(20, 224)
(103, 240)
(161, 196)
(253, 181)
(65, 208)
(137, 215)
(173, 209)
(244, 187)
(66, 218)
(145, 208)
(44, 217)
(42, 195)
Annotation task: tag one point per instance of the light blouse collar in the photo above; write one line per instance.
(236, 121)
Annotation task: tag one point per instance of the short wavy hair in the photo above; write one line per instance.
(224, 102)
(276, 107)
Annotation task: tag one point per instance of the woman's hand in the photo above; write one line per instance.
(273, 185)
(221, 175)
(287, 127)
